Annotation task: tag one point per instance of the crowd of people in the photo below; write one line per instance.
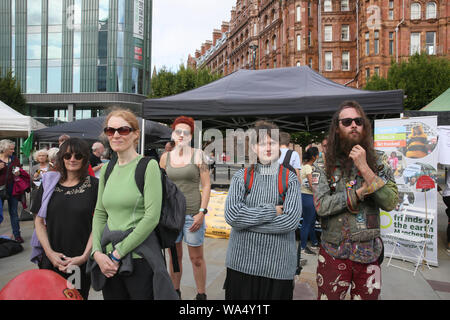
(91, 215)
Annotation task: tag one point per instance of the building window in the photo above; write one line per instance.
(431, 10)
(367, 74)
(327, 6)
(267, 47)
(76, 79)
(34, 12)
(344, 5)
(298, 64)
(55, 12)
(328, 33)
(391, 9)
(274, 43)
(431, 42)
(345, 61)
(367, 43)
(54, 45)
(345, 32)
(33, 79)
(328, 61)
(376, 71)
(415, 11)
(33, 46)
(310, 63)
(299, 42)
(376, 46)
(309, 9)
(298, 14)
(391, 43)
(309, 38)
(415, 43)
(54, 79)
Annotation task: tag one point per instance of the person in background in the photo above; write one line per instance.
(123, 210)
(9, 168)
(188, 169)
(64, 222)
(446, 198)
(307, 229)
(393, 160)
(52, 152)
(261, 255)
(354, 185)
(63, 138)
(42, 166)
(293, 158)
(95, 159)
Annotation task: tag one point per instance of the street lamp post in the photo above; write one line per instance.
(254, 47)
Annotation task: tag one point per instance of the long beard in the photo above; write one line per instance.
(347, 144)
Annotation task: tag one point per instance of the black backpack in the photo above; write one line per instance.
(173, 208)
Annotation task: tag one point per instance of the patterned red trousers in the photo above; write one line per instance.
(336, 276)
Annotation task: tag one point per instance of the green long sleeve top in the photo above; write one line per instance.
(121, 205)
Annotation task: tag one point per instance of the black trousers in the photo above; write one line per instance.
(241, 286)
(447, 203)
(137, 286)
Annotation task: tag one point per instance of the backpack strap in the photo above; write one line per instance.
(139, 174)
(249, 174)
(110, 166)
(283, 182)
(287, 157)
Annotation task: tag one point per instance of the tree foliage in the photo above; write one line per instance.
(10, 92)
(422, 78)
(165, 83)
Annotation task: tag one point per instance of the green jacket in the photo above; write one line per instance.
(335, 197)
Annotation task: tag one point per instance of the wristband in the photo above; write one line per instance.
(113, 258)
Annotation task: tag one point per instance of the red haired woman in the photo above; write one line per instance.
(187, 168)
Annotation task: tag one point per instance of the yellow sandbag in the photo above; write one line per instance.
(216, 227)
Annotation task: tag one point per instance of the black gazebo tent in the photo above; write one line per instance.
(91, 129)
(297, 99)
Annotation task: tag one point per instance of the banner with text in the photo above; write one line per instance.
(411, 147)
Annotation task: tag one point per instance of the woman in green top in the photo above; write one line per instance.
(308, 209)
(187, 168)
(121, 206)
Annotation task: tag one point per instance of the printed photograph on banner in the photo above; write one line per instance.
(406, 197)
(415, 170)
(420, 140)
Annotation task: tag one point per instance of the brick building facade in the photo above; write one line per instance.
(357, 38)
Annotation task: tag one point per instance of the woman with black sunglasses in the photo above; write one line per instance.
(64, 205)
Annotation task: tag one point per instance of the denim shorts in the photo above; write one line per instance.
(193, 239)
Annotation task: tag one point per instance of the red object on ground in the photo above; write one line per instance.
(425, 182)
(38, 284)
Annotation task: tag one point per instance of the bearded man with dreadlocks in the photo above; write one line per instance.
(355, 183)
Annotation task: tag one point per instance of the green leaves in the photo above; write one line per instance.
(10, 92)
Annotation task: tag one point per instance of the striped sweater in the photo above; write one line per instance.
(262, 243)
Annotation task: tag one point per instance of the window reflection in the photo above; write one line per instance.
(121, 12)
(77, 12)
(55, 12)
(13, 12)
(54, 45)
(77, 45)
(34, 12)
(103, 10)
(120, 44)
(119, 87)
(101, 76)
(76, 79)
(137, 78)
(33, 46)
(33, 79)
(54, 80)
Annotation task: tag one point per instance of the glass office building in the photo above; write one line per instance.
(75, 58)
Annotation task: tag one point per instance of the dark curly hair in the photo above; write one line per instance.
(73, 145)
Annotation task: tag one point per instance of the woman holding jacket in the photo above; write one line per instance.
(121, 208)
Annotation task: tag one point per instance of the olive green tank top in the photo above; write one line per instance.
(187, 179)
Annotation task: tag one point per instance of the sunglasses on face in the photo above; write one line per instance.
(178, 132)
(347, 122)
(68, 156)
(123, 131)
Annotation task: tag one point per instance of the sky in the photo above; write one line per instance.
(181, 26)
